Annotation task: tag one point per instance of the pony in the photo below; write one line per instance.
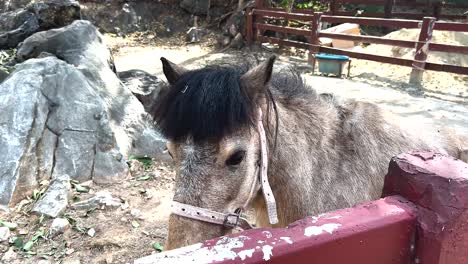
(323, 154)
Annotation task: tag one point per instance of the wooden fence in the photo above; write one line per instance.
(256, 26)
(421, 219)
(435, 9)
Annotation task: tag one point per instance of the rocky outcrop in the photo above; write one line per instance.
(66, 116)
(17, 25)
(145, 86)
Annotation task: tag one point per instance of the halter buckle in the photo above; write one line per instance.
(234, 222)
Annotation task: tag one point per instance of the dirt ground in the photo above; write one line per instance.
(137, 227)
(122, 233)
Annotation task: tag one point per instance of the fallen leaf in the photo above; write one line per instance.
(135, 224)
(81, 189)
(18, 242)
(28, 245)
(157, 247)
(11, 226)
(143, 178)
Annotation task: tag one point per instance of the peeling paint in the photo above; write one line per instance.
(267, 234)
(260, 242)
(317, 230)
(267, 252)
(223, 250)
(246, 253)
(316, 218)
(287, 239)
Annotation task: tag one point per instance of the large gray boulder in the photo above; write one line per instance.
(17, 25)
(68, 118)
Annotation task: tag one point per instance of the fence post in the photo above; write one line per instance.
(249, 26)
(422, 50)
(315, 27)
(259, 4)
(437, 10)
(333, 7)
(438, 186)
(389, 8)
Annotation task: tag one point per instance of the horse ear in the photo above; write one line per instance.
(172, 71)
(255, 80)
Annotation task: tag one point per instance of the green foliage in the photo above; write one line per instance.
(6, 57)
(157, 246)
(317, 5)
(147, 162)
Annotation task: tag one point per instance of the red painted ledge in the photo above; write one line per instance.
(374, 232)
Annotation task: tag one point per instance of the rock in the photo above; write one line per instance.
(58, 226)
(128, 19)
(23, 232)
(125, 116)
(146, 87)
(225, 41)
(3, 75)
(109, 167)
(4, 234)
(71, 261)
(68, 118)
(136, 166)
(237, 42)
(55, 200)
(9, 256)
(136, 213)
(44, 261)
(13, 4)
(194, 35)
(195, 7)
(91, 232)
(16, 26)
(236, 24)
(171, 26)
(101, 199)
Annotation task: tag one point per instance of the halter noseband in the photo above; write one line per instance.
(232, 220)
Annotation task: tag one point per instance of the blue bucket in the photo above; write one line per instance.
(331, 63)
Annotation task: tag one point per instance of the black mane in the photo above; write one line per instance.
(204, 104)
(210, 103)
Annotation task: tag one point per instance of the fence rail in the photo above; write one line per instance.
(436, 9)
(408, 225)
(257, 24)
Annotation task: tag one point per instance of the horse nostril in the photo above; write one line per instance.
(198, 213)
(183, 209)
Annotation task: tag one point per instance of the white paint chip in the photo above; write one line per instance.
(246, 253)
(267, 252)
(287, 239)
(317, 230)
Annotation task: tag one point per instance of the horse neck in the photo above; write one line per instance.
(304, 125)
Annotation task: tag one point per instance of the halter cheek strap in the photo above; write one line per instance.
(266, 189)
(232, 220)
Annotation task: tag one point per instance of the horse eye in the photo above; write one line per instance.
(236, 158)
